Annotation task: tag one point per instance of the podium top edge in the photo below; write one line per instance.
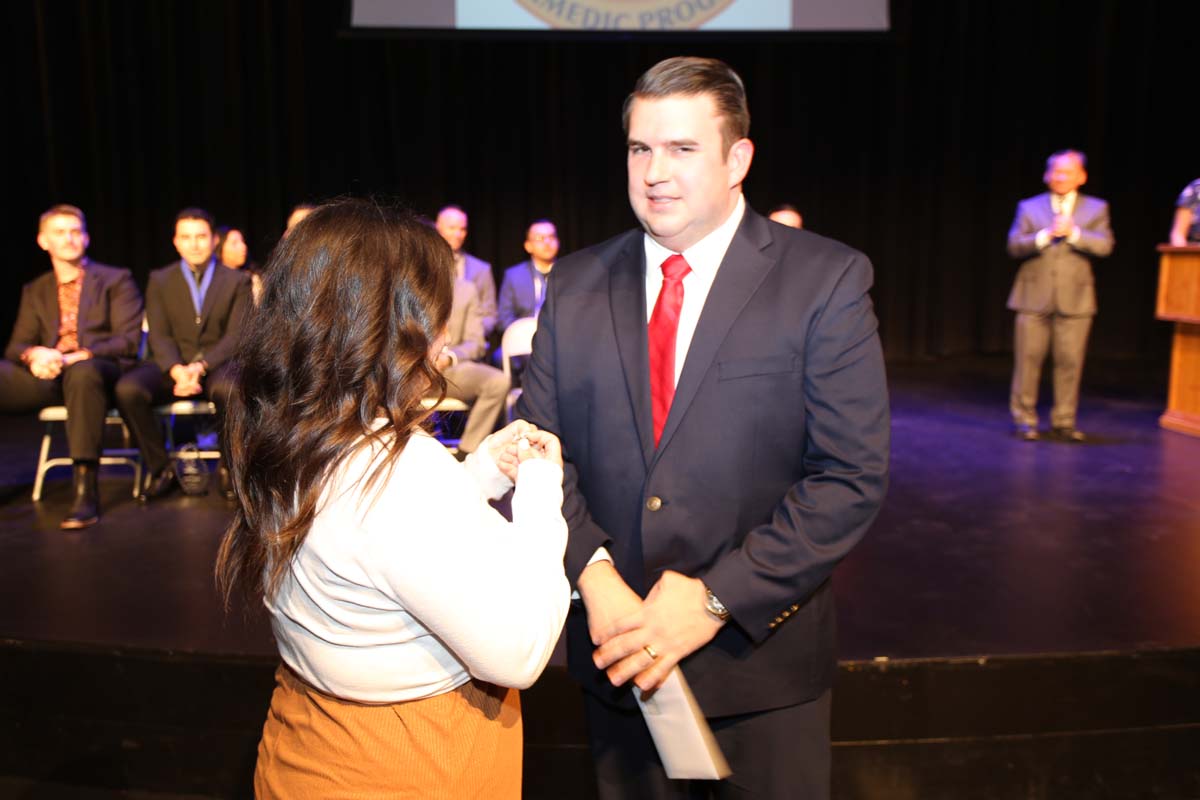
(1170, 248)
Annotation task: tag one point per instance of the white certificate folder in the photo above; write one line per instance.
(685, 742)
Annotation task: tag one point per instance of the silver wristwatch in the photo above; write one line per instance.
(714, 606)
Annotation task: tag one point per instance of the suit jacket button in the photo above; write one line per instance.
(653, 503)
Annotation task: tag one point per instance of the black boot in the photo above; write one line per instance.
(159, 484)
(85, 510)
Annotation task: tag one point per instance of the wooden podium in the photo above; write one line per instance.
(1179, 302)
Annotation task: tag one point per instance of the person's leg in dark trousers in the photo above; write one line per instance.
(626, 760)
(138, 392)
(218, 385)
(87, 388)
(783, 753)
(21, 393)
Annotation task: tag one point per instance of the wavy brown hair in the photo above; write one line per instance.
(352, 302)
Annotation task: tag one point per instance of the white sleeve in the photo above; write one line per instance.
(492, 482)
(493, 592)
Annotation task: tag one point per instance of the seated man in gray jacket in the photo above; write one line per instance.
(482, 386)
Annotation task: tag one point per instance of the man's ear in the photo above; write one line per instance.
(741, 153)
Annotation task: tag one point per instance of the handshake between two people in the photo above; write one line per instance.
(521, 441)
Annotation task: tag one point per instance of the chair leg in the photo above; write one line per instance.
(40, 478)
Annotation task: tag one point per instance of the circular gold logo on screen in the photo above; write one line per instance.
(625, 15)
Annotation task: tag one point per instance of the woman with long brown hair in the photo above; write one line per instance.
(401, 601)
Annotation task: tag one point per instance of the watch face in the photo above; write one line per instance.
(715, 606)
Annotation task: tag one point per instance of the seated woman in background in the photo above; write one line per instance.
(229, 245)
(1186, 228)
(401, 601)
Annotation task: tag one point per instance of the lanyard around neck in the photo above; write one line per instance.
(197, 292)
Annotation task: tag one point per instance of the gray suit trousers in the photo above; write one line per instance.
(484, 388)
(1036, 334)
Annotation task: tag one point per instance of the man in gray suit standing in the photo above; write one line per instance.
(1055, 234)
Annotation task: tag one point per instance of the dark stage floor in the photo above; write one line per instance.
(986, 545)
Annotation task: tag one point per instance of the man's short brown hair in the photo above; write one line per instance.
(689, 75)
(61, 210)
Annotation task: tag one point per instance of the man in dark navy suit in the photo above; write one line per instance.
(77, 329)
(194, 310)
(718, 385)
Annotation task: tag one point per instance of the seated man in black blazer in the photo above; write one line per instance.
(194, 309)
(77, 328)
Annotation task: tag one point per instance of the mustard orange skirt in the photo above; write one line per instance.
(462, 744)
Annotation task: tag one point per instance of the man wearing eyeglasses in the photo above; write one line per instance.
(524, 285)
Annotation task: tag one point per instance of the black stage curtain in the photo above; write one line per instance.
(913, 146)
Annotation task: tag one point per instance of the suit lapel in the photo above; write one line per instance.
(1084, 210)
(209, 296)
(627, 300)
(739, 276)
(89, 295)
(177, 292)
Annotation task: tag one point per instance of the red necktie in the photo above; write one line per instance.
(664, 322)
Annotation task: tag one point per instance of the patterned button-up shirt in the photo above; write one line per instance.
(68, 314)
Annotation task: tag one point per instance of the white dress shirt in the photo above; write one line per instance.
(1059, 204)
(409, 591)
(704, 257)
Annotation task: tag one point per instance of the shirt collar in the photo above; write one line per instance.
(1067, 199)
(705, 255)
(79, 270)
(183, 263)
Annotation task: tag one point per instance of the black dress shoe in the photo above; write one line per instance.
(85, 508)
(1069, 435)
(159, 484)
(1026, 433)
(225, 482)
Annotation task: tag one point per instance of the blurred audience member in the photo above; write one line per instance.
(524, 286)
(452, 225)
(1186, 229)
(194, 309)
(787, 214)
(78, 327)
(299, 212)
(233, 252)
(481, 386)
